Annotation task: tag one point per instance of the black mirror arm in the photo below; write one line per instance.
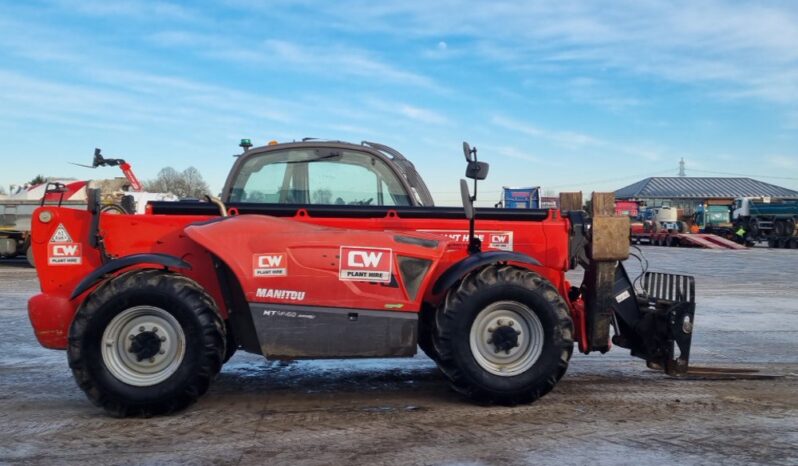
(474, 153)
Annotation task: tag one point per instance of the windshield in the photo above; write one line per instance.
(319, 176)
(719, 217)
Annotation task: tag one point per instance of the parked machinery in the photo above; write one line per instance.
(765, 219)
(328, 250)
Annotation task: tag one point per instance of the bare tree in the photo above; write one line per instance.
(188, 183)
(2, 191)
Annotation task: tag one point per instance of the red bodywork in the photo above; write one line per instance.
(627, 209)
(254, 248)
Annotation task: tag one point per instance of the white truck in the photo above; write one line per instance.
(768, 219)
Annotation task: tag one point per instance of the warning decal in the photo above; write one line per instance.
(270, 265)
(491, 239)
(61, 250)
(61, 235)
(365, 264)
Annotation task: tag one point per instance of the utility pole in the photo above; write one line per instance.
(681, 168)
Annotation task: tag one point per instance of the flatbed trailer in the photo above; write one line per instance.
(694, 240)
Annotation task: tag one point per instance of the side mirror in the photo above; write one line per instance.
(468, 204)
(467, 152)
(477, 170)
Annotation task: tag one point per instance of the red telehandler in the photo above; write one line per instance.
(335, 250)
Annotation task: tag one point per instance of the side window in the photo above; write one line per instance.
(354, 178)
(264, 185)
(342, 184)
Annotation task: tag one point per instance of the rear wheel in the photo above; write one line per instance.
(29, 256)
(504, 335)
(145, 343)
(779, 228)
(789, 227)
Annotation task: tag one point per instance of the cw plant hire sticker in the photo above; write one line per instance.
(270, 265)
(361, 264)
(62, 250)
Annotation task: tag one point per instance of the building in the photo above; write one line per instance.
(686, 192)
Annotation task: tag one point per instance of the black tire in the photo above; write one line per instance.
(475, 293)
(789, 227)
(195, 313)
(29, 256)
(128, 203)
(114, 209)
(426, 328)
(753, 228)
(230, 343)
(779, 228)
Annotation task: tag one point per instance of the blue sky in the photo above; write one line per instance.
(567, 95)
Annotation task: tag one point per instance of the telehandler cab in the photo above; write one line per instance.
(334, 250)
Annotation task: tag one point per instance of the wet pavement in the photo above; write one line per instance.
(608, 409)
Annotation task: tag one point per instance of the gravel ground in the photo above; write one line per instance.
(607, 410)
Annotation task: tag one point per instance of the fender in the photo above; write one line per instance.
(126, 261)
(475, 261)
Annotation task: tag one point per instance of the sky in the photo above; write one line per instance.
(588, 96)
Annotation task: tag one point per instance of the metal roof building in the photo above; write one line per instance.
(689, 187)
(687, 191)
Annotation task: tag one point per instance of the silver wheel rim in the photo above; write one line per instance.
(516, 316)
(121, 332)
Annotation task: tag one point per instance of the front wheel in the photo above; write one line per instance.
(145, 343)
(504, 336)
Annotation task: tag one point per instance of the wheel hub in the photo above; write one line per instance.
(145, 345)
(504, 339)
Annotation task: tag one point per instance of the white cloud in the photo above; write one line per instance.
(329, 60)
(747, 49)
(408, 112)
(577, 141)
(129, 9)
(515, 153)
(422, 115)
(568, 139)
(783, 161)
